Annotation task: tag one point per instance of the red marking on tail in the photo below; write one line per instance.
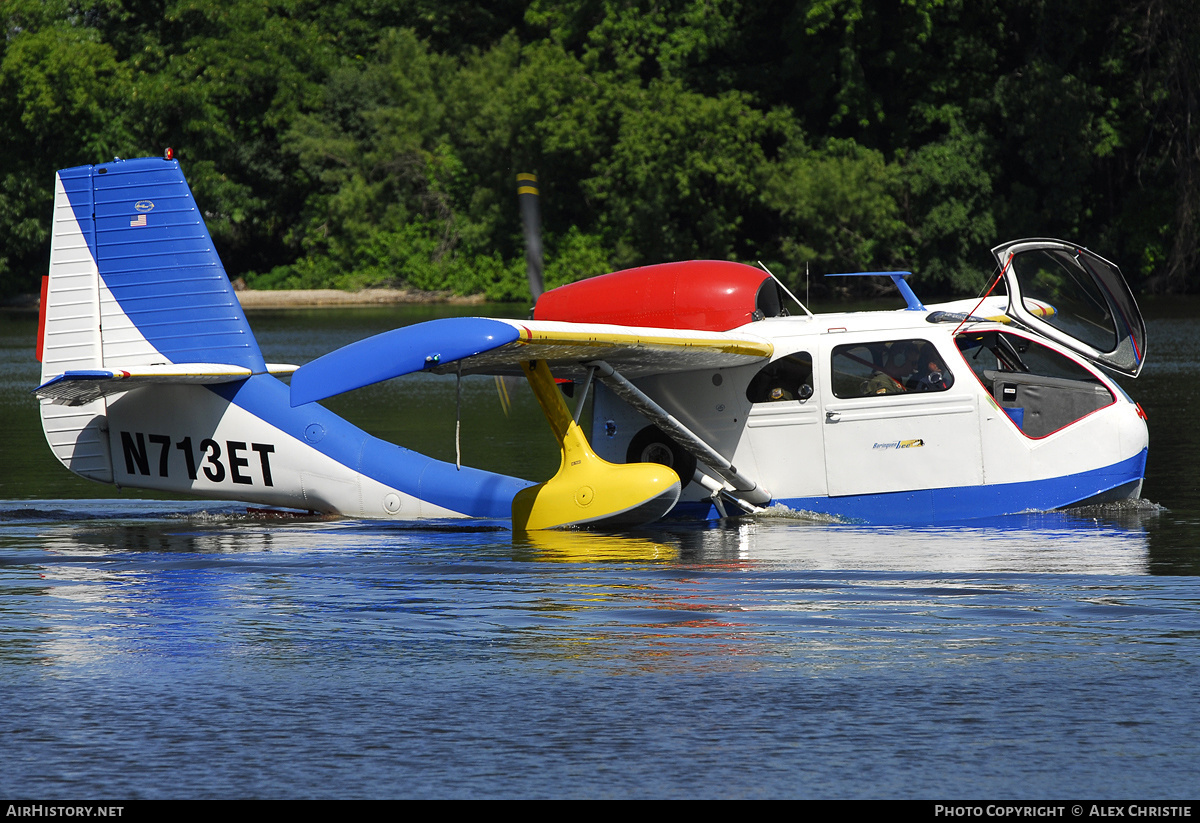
(41, 338)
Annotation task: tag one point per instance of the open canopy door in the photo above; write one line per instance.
(1076, 298)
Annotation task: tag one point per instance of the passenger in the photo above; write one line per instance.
(787, 379)
(778, 383)
(899, 366)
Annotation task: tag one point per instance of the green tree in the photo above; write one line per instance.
(840, 208)
(682, 175)
(63, 100)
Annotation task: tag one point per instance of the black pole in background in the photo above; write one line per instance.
(531, 221)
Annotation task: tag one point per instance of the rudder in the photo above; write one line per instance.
(134, 280)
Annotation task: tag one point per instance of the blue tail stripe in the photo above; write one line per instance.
(472, 492)
(130, 257)
(77, 183)
(156, 257)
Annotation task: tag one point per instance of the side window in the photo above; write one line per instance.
(888, 367)
(788, 378)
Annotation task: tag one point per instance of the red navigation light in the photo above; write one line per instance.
(169, 154)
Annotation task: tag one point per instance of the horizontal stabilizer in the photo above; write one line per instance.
(74, 388)
(898, 278)
(397, 352)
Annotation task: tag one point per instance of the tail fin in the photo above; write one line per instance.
(134, 281)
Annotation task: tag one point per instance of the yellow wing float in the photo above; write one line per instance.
(586, 490)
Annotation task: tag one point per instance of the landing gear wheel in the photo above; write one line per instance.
(650, 445)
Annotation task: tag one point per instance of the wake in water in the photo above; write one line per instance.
(1138, 506)
(1124, 513)
(778, 511)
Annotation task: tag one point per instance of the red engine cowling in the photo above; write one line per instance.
(706, 295)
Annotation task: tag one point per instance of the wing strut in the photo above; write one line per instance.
(744, 487)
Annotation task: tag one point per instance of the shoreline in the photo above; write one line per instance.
(313, 298)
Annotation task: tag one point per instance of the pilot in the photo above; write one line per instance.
(900, 363)
(931, 374)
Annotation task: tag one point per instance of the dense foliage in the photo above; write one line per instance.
(377, 141)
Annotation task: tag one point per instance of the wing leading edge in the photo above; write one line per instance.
(476, 345)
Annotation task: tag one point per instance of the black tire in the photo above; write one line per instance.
(650, 445)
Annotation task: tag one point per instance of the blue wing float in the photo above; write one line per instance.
(398, 352)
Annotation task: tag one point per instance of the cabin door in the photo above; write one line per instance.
(1076, 298)
(783, 428)
(897, 419)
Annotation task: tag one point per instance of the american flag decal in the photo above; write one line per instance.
(140, 220)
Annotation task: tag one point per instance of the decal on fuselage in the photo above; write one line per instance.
(915, 443)
(203, 458)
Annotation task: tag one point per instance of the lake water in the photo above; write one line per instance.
(158, 648)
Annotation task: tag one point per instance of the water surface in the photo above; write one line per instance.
(167, 648)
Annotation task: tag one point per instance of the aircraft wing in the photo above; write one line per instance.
(638, 351)
(479, 345)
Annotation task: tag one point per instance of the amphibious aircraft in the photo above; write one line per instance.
(709, 399)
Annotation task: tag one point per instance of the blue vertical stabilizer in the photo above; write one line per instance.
(163, 293)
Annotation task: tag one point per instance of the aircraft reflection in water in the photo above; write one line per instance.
(1113, 538)
(708, 399)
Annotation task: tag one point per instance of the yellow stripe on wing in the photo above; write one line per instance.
(636, 352)
(594, 339)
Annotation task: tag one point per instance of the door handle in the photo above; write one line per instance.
(832, 417)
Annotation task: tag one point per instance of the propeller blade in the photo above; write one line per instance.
(531, 221)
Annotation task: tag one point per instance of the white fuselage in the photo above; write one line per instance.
(873, 452)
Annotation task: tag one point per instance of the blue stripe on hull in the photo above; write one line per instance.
(472, 492)
(958, 503)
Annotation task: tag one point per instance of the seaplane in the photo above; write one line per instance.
(710, 399)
